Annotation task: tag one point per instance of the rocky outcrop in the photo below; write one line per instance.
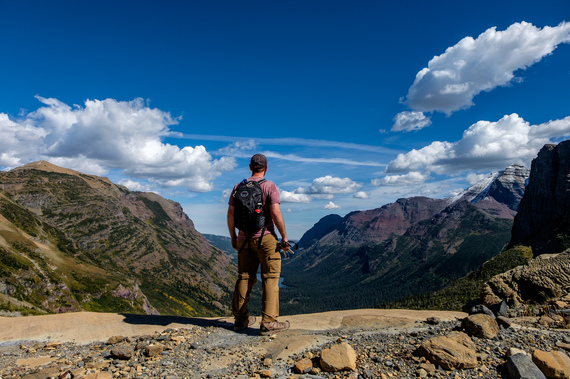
(545, 277)
(542, 221)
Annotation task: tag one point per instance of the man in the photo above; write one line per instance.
(259, 248)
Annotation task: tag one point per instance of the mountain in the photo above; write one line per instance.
(72, 241)
(543, 222)
(412, 246)
(223, 243)
(499, 193)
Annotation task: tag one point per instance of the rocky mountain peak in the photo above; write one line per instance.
(506, 187)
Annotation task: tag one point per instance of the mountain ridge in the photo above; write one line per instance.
(146, 245)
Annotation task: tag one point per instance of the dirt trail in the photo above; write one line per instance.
(84, 327)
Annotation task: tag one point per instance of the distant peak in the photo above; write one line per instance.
(45, 166)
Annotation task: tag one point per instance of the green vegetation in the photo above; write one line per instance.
(468, 288)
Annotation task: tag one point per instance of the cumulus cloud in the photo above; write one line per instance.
(409, 121)
(330, 185)
(108, 134)
(413, 177)
(484, 145)
(292, 197)
(331, 205)
(325, 187)
(361, 195)
(473, 65)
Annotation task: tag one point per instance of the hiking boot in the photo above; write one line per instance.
(239, 326)
(268, 328)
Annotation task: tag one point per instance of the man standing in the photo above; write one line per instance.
(260, 247)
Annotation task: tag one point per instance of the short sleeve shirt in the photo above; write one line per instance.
(270, 196)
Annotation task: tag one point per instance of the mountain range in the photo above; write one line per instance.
(412, 246)
(71, 241)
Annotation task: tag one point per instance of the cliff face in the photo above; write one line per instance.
(543, 220)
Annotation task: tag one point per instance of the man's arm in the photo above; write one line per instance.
(231, 226)
(278, 221)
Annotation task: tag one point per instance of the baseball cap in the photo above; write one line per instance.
(258, 161)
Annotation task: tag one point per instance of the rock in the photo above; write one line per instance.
(504, 322)
(99, 375)
(563, 345)
(560, 304)
(501, 309)
(554, 364)
(521, 366)
(122, 352)
(266, 374)
(433, 320)
(303, 366)
(453, 351)
(428, 367)
(513, 351)
(481, 325)
(153, 350)
(115, 339)
(338, 357)
(480, 308)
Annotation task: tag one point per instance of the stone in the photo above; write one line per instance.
(122, 352)
(99, 375)
(433, 320)
(480, 308)
(153, 350)
(338, 357)
(563, 345)
(428, 367)
(115, 339)
(453, 351)
(521, 366)
(554, 364)
(481, 325)
(560, 304)
(267, 362)
(303, 366)
(504, 322)
(266, 374)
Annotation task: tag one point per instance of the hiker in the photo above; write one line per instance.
(259, 246)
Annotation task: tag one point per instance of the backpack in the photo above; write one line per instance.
(249, 216)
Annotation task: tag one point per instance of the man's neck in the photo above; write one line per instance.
(259, 175)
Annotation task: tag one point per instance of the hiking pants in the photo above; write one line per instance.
(249, 259)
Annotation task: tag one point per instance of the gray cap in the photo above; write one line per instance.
(258, 161)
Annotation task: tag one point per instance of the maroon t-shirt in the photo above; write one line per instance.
(270, 196)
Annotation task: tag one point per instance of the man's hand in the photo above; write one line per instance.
(234, 242)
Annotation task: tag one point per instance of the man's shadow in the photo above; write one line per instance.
(195, 321)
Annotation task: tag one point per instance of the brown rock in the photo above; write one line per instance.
(303, 366)
(453, 351)
(554, 364)
(153, 350)
(338, 357)
(481, 325)
(563, 345)
(266, 374)
(428, 367)
(560, 304)
(115, 339)
(99, 375)
(122, 352)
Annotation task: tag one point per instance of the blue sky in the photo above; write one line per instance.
(355, 103)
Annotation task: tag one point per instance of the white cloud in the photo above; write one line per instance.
(361, 195)
(485, 145)
(292, 197)
(135, 186)
(409, 121)
(412, 177)
(330, 185)
(109, 134)
(453, 78)
(331, 205)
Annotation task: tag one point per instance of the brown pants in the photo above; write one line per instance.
(249, 259)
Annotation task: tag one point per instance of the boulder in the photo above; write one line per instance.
(521, 366)
(303, 366)
(554, 364)
(338, 357)
(481, 325)
(453, 351)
